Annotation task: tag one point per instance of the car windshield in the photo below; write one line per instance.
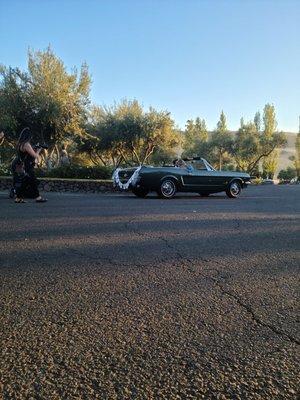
(198, 164)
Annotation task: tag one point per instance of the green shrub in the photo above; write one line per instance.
(287, 174)
(5, 170)
(77, 172)
(256, 181)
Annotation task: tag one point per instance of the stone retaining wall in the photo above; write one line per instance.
(66, 185)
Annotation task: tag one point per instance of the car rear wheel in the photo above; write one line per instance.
(140, 192)
(234, 189)
(167, 189)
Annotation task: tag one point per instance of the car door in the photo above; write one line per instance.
(197, 178)
(193, 178)
(216, 180)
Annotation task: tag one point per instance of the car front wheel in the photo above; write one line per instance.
(234, 189)
(167, 189)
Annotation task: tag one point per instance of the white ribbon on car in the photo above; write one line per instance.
(131, 181)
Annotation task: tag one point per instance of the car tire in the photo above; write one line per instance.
(140, 192)
(167, 189)
(234, 189)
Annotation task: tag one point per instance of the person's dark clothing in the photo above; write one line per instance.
(29, 187)
(18, 183)
(24, 179)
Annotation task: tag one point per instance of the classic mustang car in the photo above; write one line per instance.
(189, 175)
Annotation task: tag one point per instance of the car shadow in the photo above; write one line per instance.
(177, 197)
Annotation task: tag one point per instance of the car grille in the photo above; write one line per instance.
(125, 175)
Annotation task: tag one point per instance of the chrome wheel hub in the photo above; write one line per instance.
(235, 189)
(168, 188)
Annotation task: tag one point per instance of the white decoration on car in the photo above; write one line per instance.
(131, 181)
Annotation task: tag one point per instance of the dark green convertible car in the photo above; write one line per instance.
(188, 175)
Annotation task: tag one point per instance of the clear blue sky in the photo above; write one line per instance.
(191, 57)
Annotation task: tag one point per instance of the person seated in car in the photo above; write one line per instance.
(179, 163)
(190, 168)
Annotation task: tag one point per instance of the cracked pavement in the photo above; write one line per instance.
(115, 297)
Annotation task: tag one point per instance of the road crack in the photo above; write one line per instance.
(254, 317)
(216, 280)
(249, 310)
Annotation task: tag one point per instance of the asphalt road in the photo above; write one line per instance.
(115, 297)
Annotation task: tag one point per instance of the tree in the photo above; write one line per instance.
(269, 119)
(158, 133)
(296, 158)
(13, 111)
(14, 108)
(257, 121)
(201, 129)
(221, 141)
(246, 146)
(163, 156)
(250, 146)
(125, 133)
(59, 99)
(270, 162)
(46, 98)
(287, 174)
(195, 137)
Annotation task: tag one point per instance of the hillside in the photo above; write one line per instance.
(287, 151)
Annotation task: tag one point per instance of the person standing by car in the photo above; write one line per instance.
(29, 158)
